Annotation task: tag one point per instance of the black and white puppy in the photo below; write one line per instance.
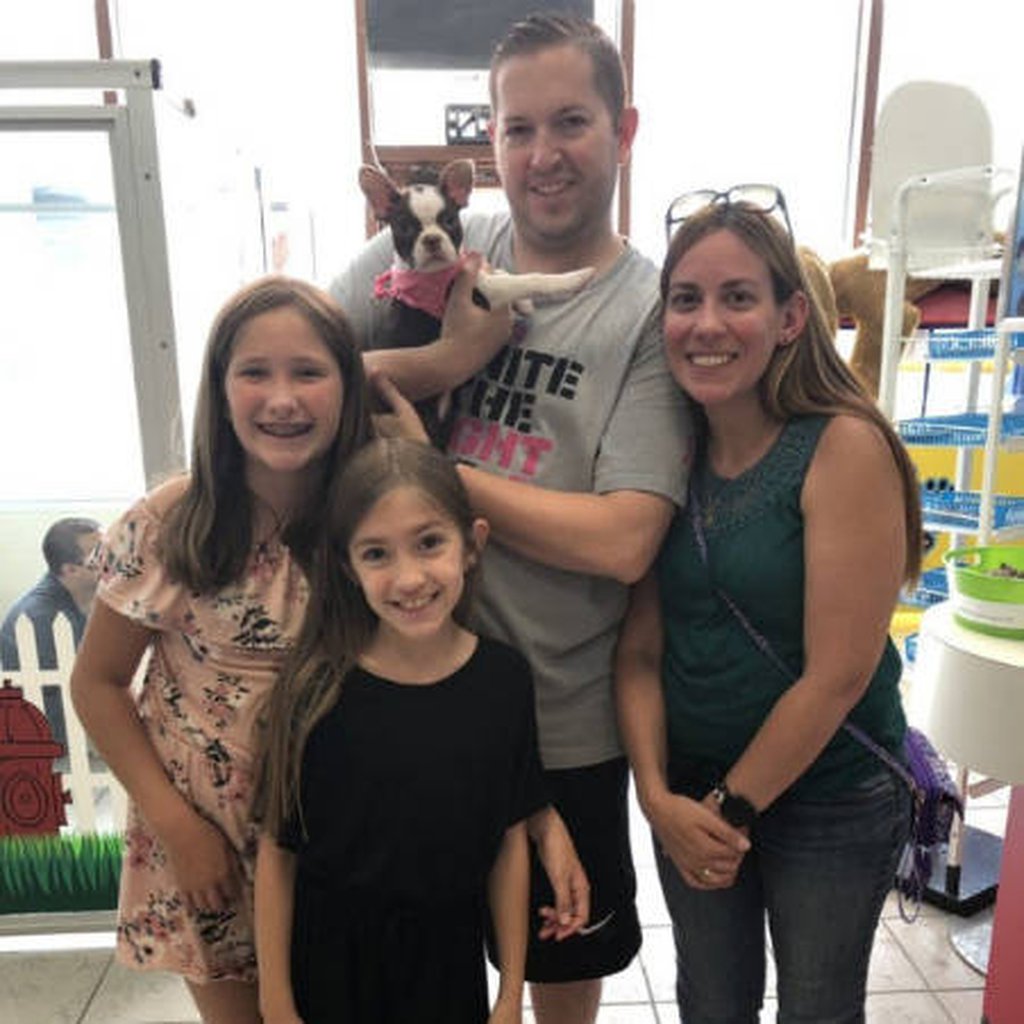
(427, 235)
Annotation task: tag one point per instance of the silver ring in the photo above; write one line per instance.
(705, 872)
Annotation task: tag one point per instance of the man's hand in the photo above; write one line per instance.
(403, 420)
(479, 332)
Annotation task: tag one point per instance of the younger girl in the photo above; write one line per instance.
(206, 572)
(401, 763)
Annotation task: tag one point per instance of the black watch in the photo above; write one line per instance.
(735, 809)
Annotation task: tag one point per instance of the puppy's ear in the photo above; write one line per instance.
(380, 191)
(457, 181)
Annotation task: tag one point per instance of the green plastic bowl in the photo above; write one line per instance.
(982, 601)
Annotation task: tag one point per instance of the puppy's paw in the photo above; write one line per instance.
(573, 280)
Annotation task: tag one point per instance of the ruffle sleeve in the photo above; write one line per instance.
(132, 578)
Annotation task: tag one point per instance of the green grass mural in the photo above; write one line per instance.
(59, 873)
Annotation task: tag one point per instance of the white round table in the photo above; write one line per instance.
(968, 698)
(968, 695)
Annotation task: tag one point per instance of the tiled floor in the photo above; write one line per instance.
(916, 976)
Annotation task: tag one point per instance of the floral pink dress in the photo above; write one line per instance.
(213, 658)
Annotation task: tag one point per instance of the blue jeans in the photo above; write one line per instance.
(820, 870)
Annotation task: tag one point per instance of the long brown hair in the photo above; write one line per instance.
(339, 623)
(207, 535)
(808, 376)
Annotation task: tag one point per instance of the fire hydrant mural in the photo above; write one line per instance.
(31, 796)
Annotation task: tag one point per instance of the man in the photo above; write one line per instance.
(67, 588)
(572, 443)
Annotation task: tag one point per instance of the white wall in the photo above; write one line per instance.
(731, 91)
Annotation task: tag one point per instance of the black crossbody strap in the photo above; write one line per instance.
(762, 644)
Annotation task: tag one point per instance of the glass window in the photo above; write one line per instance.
(48, 30)
(737, 91)
(975, 45)
(66, 385)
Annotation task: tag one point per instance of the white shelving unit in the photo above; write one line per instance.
(967, 880)
(983, 514)
(961, 512)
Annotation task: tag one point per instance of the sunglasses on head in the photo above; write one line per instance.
(766, 198)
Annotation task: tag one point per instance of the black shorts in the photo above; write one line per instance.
(592, 801)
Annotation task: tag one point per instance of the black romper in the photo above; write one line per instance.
(407, 791)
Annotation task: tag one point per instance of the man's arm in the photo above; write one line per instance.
(470, 336)
(468, 339)
(9, 660)
(616, 529)
(615, 534)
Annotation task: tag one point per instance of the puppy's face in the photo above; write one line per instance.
(426, 228)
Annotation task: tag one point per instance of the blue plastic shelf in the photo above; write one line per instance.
(944, 343)
(961, 509)
(931, 588)
(964, 430)
(910, 647)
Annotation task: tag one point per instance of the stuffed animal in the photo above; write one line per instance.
(860, 295)
(816, 272)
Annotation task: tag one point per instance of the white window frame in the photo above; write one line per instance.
(131, 130)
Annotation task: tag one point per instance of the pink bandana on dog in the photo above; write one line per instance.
(426, 290)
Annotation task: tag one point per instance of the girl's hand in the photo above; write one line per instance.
(403, 420)
(203, 862)
(281, 1017)
(557, 853)
(706, 849)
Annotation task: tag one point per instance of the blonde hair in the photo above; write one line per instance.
(806, 377)
(339, 623)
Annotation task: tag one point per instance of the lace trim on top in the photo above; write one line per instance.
(732, 504)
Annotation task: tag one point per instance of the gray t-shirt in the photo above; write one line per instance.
(581, 400)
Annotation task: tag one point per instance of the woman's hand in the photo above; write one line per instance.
(403, 420)
(203, 863)
(568, 880)
(705, 849)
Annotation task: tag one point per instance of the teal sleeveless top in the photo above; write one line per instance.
(718, 685)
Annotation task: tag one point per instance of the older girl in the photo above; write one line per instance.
(206, 573)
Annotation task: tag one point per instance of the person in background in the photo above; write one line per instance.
(67, 589)
(208, 574)
(763, 628)
(572, 445)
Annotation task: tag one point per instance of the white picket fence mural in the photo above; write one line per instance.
(97, 798)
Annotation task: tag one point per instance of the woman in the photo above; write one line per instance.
(738, 667)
